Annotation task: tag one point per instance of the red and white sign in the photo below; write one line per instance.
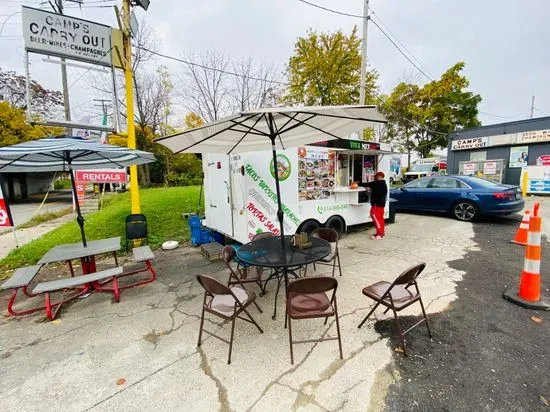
(80, 192)
(4, 212)
(101, 176)
(469, 168)
(543, 160)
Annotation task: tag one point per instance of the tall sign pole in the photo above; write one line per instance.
(66, 103)
(134, 189)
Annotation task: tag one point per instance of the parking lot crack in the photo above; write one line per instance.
(275, 381)
(325, 376)
(38, 341)
(222, 390)
(140, 380)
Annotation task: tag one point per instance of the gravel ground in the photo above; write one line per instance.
(486, 353)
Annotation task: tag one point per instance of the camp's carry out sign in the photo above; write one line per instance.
(5, 215)
(65, 36)
(473, 143)
(101, 176)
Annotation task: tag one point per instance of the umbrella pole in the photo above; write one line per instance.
(278, 190)
(79, 217)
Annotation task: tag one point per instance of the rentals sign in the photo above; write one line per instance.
(64, 36)
(101, 176)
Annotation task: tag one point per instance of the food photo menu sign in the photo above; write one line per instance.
(315, 173)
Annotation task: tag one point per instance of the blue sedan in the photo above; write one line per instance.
(464, 197)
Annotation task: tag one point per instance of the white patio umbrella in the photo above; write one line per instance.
(274, 128)
(68, 153)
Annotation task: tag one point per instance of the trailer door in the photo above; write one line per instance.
(219, 199)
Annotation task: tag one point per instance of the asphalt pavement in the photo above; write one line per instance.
(23, 211)
(142, 354)
(487, 353)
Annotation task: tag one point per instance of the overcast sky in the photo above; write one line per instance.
(504, 43)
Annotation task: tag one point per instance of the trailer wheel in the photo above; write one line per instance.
(336, 223)
(308, 226)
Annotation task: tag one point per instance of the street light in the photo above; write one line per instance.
(144, 4)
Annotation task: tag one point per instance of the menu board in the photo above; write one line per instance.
(315, 173)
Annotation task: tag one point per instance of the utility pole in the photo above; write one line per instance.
(66, 104)
(104, 104)
(532, 105)
(134, 189)
(362, 92)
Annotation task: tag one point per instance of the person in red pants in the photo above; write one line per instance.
(378, 195)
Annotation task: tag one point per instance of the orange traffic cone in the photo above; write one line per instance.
(528, 294)
(523, 230)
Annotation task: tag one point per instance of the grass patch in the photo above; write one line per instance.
(62, 184)
(45, 217)
(162, 206)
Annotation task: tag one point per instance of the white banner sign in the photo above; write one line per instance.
(469, 168)
(534, 136)
(473, 143)
(65, 36)
(490, 168)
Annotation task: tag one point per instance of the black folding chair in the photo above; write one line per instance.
(136, 229)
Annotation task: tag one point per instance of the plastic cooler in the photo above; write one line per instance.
(199, 234)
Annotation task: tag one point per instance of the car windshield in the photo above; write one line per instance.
(426, 167)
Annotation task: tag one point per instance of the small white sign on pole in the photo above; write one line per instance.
(469, 169)
(490, 168)
(65, 36)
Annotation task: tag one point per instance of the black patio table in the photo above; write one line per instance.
(268, 253)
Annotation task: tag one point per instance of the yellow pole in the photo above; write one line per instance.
(134, 189)
(524, 181)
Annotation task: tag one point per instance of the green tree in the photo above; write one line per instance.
(186, 168)
(420, 118)
(15, 129)
(193, 120)
(326, 70)
(399, 108)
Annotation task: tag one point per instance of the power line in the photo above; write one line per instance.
(332, 10)
(423, 71)
(209, 68)
(274, 81)
(379, 28)
(401, 51)
(85, 73)
(399, 41)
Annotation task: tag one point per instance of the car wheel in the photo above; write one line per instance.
(308, 226)
(465, 211)
(336, 223)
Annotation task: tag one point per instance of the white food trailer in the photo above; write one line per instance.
(316, 190)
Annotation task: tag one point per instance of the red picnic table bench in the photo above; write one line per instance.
(89, 281)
